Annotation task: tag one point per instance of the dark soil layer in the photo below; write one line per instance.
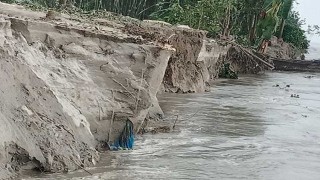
(297, 65)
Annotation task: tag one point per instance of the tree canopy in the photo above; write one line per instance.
(249, 21)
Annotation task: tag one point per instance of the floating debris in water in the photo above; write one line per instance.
(295, 95)
(309, 77)
(277, 85)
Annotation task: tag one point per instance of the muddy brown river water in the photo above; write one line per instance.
(244, 129)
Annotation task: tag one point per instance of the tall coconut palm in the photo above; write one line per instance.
(285, 10)
(268, 23)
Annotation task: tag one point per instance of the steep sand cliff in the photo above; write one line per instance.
(68, 86)
(195, 56)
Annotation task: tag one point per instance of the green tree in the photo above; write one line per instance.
(252, 22)
(284, 14)
(293, 32)
(268, 23)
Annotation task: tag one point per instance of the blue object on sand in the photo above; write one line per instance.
(126, 138)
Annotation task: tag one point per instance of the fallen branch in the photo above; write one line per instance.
(193, 114)
(85, 170)
(99, 110)
(253, 55)
(124, 87)
(71, 159)
(174, 124)
(111, 126)
(138, 94)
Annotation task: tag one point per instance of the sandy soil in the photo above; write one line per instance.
(68, 86)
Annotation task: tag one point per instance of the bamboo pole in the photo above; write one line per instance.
(253, 55)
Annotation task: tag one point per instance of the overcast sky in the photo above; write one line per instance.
(310, 11)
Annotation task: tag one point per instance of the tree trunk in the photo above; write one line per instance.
(226, 24)
(283, 23)
(263, 46)
(253, 27)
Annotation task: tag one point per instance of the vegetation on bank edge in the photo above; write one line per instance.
(226, 72)
(251, 22)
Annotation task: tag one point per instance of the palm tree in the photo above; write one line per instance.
(268, 23)
(285, 10)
